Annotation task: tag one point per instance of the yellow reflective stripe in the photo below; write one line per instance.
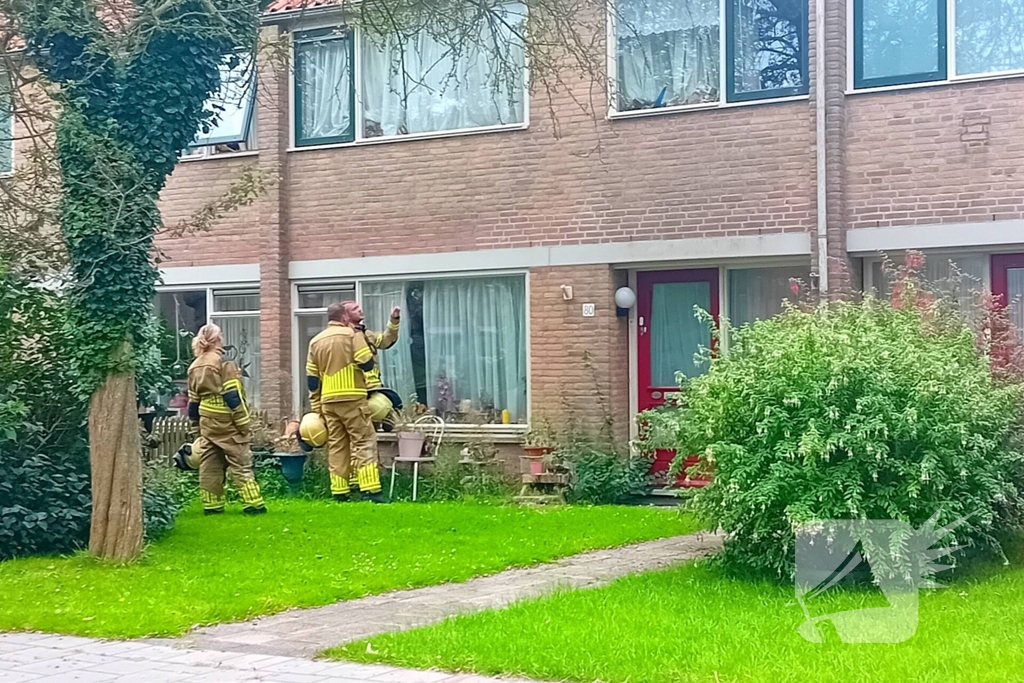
(193, 396)
(369, 478)
(211, 501)
(312, 370)
(338, 484)
(392, 326)
(364, 354)
(250, 494)
(341, 383)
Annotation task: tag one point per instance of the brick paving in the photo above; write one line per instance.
(304, 632)
(279, 648)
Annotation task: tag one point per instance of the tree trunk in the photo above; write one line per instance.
(116, 532)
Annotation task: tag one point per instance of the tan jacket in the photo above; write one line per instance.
(338, 358)
(215, 386)
(377, 342)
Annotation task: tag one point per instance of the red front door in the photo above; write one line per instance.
(669, 336)
(1008, 283)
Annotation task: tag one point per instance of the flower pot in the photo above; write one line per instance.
(410, 444)
(292, 466)
(535, 457)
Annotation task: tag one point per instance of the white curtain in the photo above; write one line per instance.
(325, 79)
(668, 46)
(475, 342)
(416, 84)
(379, 298)
(1015, 297)
(757, 293)
(242, 333)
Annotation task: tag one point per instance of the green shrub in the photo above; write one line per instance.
(160, 505)
(449, 479)
(850, 411)
(601, 475)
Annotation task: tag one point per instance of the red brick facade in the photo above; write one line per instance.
(941, 154)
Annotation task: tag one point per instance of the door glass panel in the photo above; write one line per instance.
(1015, 296)
(676, 333)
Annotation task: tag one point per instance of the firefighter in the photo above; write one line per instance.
(217, 403)
(338, 359)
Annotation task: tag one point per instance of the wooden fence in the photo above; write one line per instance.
(173, 433)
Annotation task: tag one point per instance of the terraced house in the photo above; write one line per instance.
(737, 144)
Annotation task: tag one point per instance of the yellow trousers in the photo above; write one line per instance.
(223, 451)
(351, 447)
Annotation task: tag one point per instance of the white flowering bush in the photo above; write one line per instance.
(866, 410)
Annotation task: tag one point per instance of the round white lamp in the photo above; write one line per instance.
(625, 299)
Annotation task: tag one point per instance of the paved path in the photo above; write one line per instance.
(44, 658)
(278, 649)
(303, 633)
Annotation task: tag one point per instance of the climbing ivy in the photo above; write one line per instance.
(132, 82)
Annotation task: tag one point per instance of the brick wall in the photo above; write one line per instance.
(579, 367)
(951, 153)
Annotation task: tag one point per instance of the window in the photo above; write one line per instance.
(958, 275)
(234, 126)
(897, 42)
(409, 83)
(670, 53)
(236, 312)
(462, 345)
(757, 293)
(6, 125)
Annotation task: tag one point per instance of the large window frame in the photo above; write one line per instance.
(229, 145)
(728, 97)
(212, 315)
(356, 135)
(946, 72)
(353, 288)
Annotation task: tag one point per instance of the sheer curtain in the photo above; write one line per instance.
(325, 79)
(379, 298)
(416, 84)
(243, 334)
(671, 46)
(475, 338)
(1015, 297)
(677, 335)
(757, 293)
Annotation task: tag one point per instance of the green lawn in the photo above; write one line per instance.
(691, 624)
(304, 553)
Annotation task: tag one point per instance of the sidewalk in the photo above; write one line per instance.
(305, 632)
(280, 648)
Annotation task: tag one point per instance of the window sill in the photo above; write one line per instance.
(614, 115)
(214, 157)
(506, 434)
(409, 138)
(984, 78)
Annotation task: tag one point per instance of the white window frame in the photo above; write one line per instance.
(511, 432)
(359, 140)
(951, 75)
(868, 283)
(613, 76)
(222, 289)
(251, 140)
(14, 120)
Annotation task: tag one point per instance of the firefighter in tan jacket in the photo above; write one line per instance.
(217, 403)
(338, 359)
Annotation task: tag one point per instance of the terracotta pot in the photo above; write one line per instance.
(537, 451)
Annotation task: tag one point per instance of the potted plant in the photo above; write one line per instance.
(539, 442)
(410, 439)
(290, 455)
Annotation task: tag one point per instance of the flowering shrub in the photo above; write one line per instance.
(852, 411)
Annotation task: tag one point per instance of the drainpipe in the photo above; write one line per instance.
(819, 146)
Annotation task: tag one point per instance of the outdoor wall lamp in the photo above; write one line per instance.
(625, 299)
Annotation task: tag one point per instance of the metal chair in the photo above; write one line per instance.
(435, 436)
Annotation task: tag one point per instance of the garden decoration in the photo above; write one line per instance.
(416, 456)
(290, 455)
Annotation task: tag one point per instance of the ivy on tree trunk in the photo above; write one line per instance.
(132, 79)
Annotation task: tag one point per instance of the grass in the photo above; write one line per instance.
(692, 624)
(303, 553)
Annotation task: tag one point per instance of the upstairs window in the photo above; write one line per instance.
(676, 53)
(410, 83)
(899, 42)
(233, 128)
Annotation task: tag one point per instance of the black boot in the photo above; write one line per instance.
(377, 497)
(253, 511)
(218, 511)
(342, 498)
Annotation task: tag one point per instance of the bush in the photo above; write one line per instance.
(448, 479)
(851, 411)
(602, 476)
(160, 505)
